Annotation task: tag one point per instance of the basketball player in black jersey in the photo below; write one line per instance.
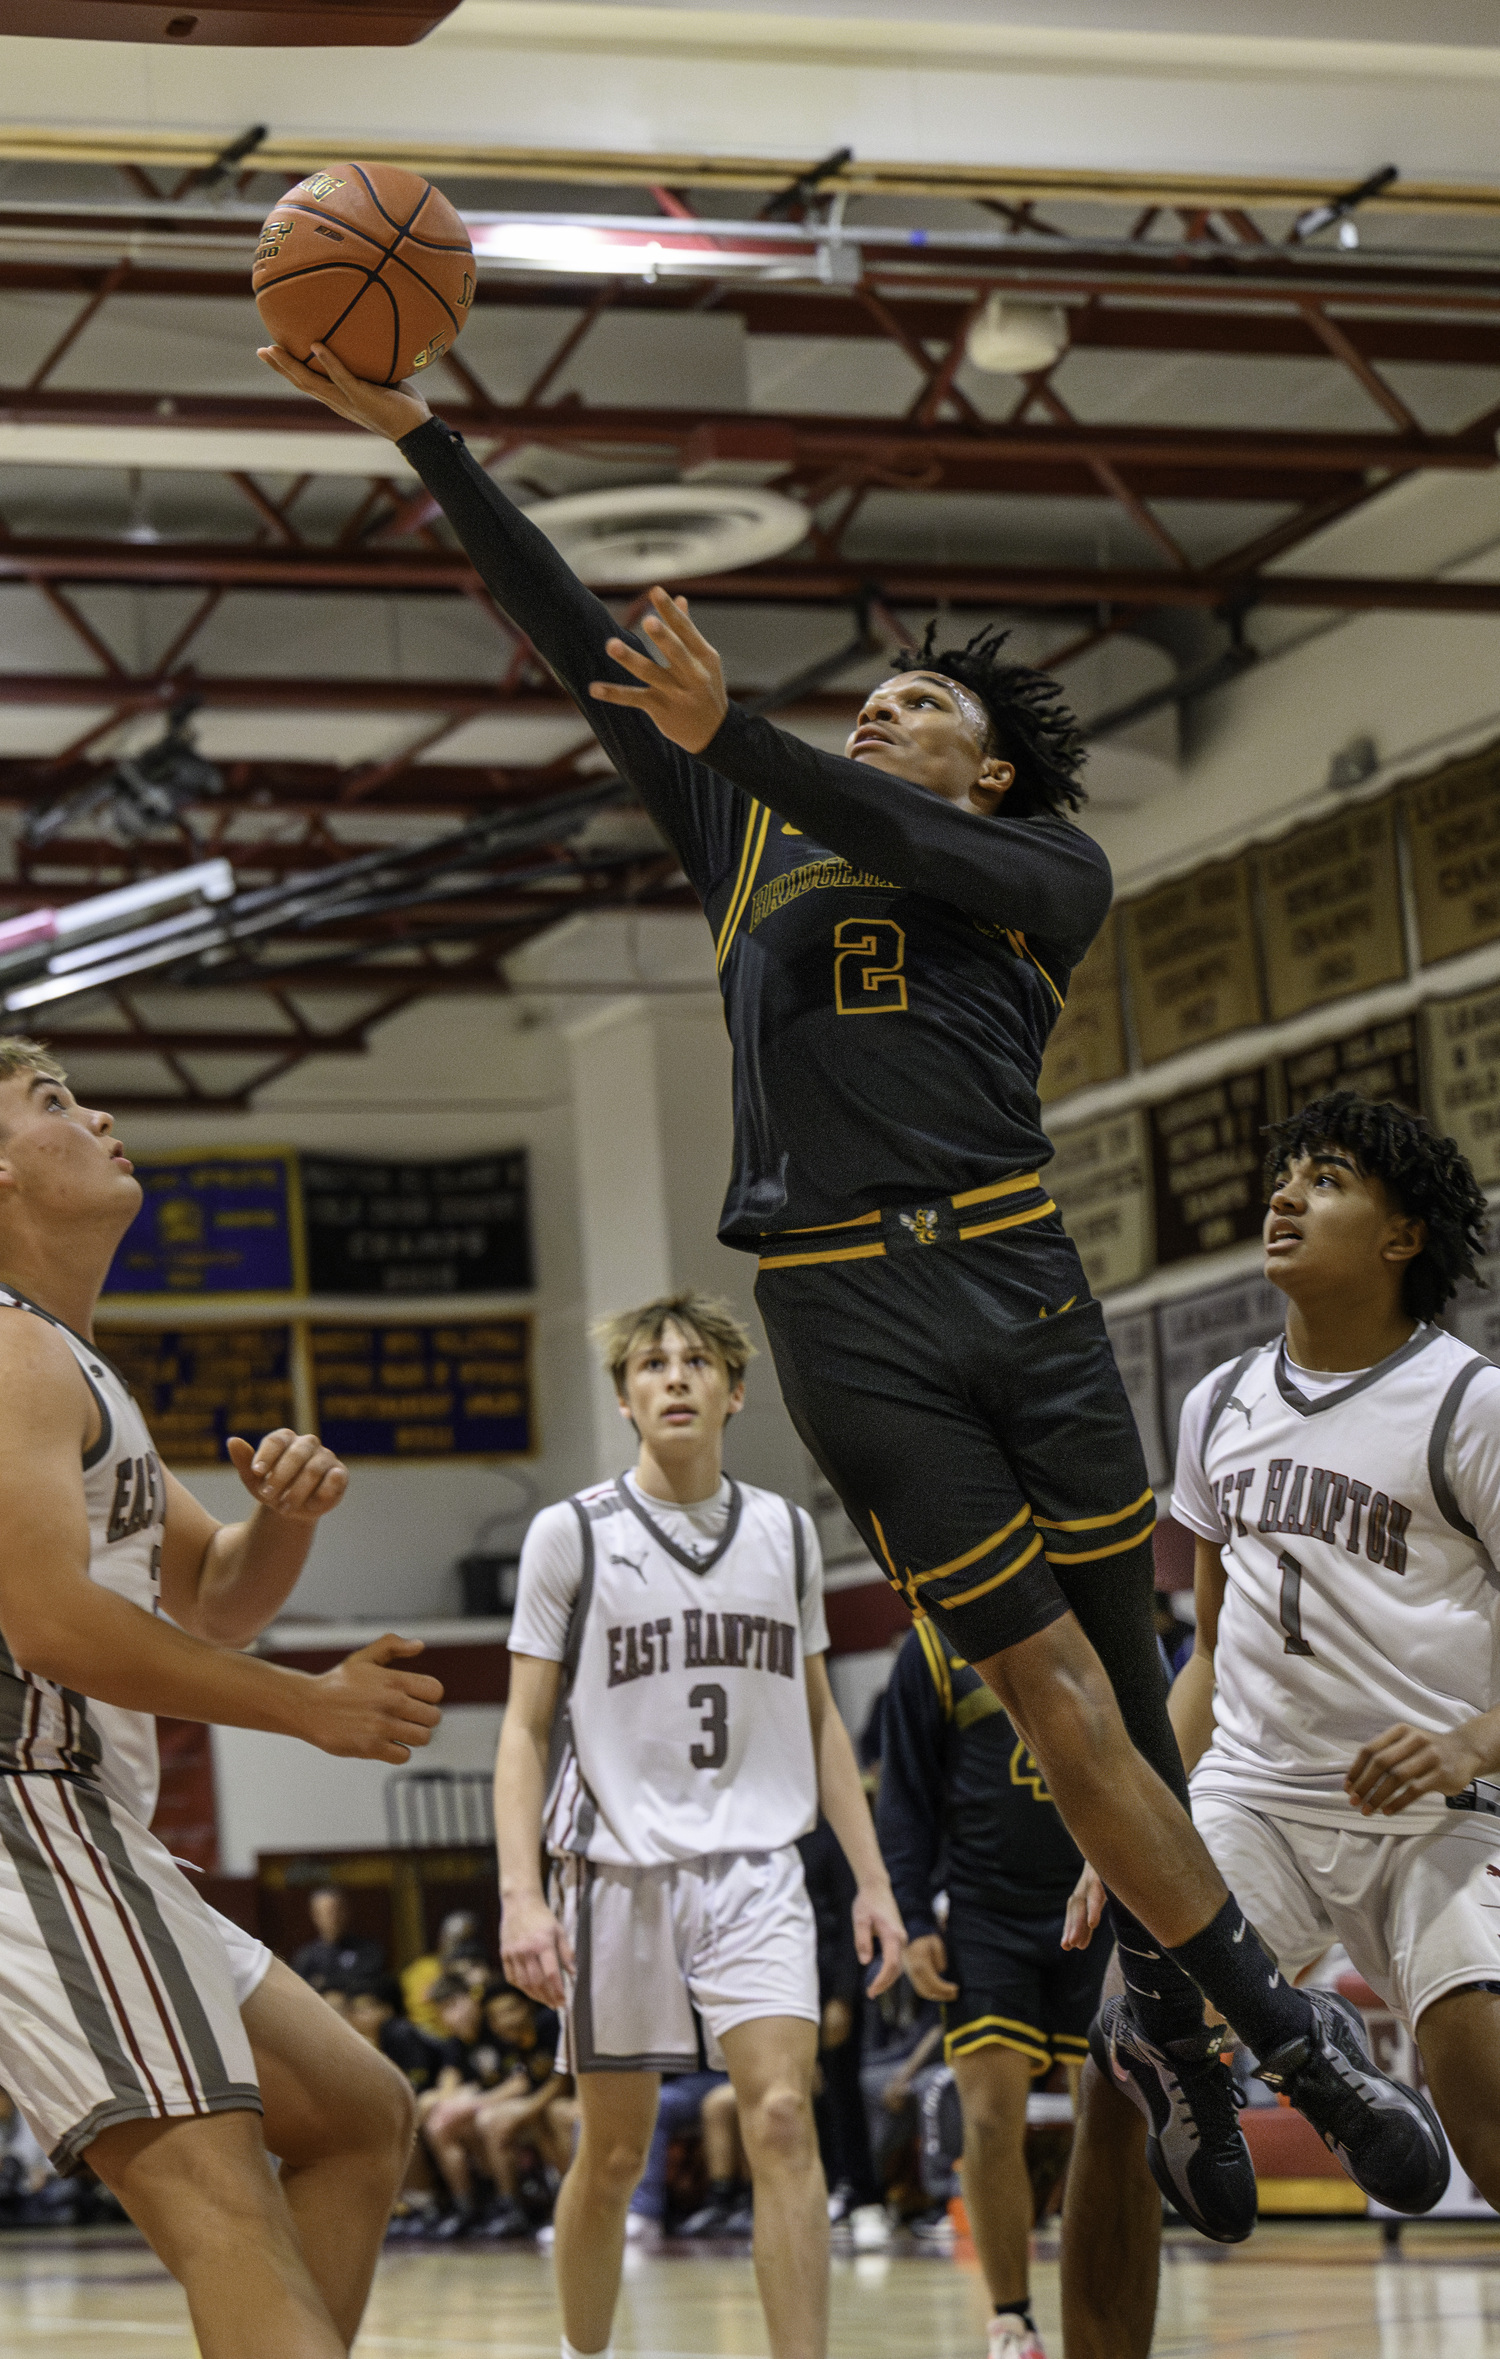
(895, 930)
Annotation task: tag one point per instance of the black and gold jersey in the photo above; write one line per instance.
(963, 1804)
(891, 965)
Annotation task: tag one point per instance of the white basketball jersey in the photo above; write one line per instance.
(685, 1728)
(1357, 1592)
(50, 1730)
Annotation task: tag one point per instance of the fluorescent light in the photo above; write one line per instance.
(207, 880)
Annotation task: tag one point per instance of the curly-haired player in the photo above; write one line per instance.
(1339, 1715)
(895, 935)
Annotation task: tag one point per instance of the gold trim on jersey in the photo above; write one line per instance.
(1096, 1523)
(1012, 1220)
(999, 2031)
(754, 845)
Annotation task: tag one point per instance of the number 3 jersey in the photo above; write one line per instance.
(1360, 1522)
(683, 1633)
(49, 1730)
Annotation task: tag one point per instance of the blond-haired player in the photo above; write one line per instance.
(138, 2030)
(675, 1619)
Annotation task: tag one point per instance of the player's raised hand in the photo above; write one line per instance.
(534, 1950)
(684, 694)
(290, 1474)
(1404, 1763)
(1085, 1908)
(366, 1710)
(391, 410)
(926, 1964)
(877, 1918)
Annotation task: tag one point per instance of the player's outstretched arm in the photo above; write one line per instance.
(534, 1949)
(61, 1625)
(1045, 877)
(876, 1916)
(225, 1582)
(536, 588)
(1403, 1763)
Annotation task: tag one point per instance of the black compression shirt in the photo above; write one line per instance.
(891, 965)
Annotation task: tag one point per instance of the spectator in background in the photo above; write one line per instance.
(336, 1958)
(839, 2109)
(680, 2114)
(495, 2040)
(459, 1951)
(374, 2009)
(1174, 1634)
(960, 1792)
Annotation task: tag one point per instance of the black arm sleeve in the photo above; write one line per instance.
(909, 1812)
(1041, 876)
(702, 815)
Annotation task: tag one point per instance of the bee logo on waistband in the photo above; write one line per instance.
(923, 1226)
(322, 184)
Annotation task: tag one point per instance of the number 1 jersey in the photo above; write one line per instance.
(683, 1726)
(1359, 1517)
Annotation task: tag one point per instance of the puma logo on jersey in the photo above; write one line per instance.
(636, 1564)
(1234, 1402)
(140, 1497)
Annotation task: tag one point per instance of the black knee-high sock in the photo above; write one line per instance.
(1232, 1966)
(1165, 2001)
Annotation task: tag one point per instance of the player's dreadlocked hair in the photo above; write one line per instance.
(1424, 1172)
(1030, 725)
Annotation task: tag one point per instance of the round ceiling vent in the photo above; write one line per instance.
(1014, 339)
(669, 531)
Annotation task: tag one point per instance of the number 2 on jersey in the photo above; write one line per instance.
(714, 1705)
(1291, 1604)
(869, 954)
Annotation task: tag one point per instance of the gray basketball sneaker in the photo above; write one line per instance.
(1194, 2143)
(1386, 2135)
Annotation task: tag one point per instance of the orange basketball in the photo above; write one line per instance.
(369, 260)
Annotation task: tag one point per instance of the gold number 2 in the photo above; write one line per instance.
(868, 956)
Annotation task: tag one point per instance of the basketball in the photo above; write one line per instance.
(394, 296)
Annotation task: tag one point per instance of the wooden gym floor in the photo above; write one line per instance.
(1320, 2290)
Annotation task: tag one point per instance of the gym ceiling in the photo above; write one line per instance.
(1122, 330)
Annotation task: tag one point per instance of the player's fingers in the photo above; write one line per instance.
(674, 612)
(420, 1698)
(345, 379)
(632, 659)
(605, 692)
(388, 1648)
(295, 1494)
(241, 1456)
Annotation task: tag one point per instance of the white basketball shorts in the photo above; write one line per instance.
(726, 1939)
(120, 1989)
(1419, 1914)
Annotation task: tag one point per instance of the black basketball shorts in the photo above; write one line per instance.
(960, 1394)
(1019, 1988)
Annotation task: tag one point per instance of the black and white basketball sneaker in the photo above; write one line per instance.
(1194, 2143)
(1385, 2134)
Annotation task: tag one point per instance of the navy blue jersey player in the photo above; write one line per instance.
(895, 929)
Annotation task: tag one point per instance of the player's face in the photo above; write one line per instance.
(677, 1390)
(917, 726)
(60, 1159)
(1332, 1229)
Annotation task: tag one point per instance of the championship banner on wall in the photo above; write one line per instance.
(456, 1389)
(1207, 1152)
(418, 1228)
(1380, 1062)
(1463, 1076)
(198, 1385)
(1331, 911)
(1190, 949)
(1199, 1334)
(1088, 1039)
(1133, 1341)
(1100, 1178)
(222, 1220)
(1453, 829)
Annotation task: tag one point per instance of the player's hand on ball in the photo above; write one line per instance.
(1085, 1908)
(684, 694)
(926, 1962)
(534, 1950)
(391, 410)
(1405, 1763)
(290, 1474)
(365, 1709)
(877, 1918)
